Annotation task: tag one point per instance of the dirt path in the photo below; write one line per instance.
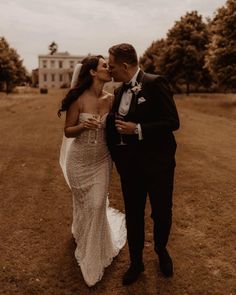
(36, 248)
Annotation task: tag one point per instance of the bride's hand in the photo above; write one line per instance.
(90, 124)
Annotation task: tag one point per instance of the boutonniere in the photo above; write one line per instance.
(136, 88)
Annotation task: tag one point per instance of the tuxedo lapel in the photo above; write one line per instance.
(117, 100)
(140, 76)
(134, 100)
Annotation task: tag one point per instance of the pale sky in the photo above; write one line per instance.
(91, 26)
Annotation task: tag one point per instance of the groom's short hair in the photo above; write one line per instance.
(124, 52)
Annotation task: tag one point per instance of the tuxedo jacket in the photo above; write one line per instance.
(153, 107)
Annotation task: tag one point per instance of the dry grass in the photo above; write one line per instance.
(223, 105)
(37, 250)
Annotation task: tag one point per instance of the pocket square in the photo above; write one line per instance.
(141, 100)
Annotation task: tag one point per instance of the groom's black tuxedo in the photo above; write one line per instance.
(146, 166)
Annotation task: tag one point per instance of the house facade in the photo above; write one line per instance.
(55, 70)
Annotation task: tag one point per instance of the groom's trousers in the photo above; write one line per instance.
(143, 173)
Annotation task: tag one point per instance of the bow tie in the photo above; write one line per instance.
(127, 86)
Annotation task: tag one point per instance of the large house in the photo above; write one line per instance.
(55, 70)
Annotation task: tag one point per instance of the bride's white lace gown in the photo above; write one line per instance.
(98, 229)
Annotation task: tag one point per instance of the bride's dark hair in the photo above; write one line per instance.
(85, 80)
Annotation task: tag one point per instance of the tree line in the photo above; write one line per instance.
(197, 55)
(12, 71)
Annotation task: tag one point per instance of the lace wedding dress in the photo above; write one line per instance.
(98, 229)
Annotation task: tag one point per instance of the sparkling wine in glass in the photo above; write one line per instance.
(97, 117)
(121, 118)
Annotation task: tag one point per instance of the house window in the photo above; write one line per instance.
(45, 77)
(53, 77)
(61, 77)
(71, 64)
(52, 64)
(44, 63)
(60, 64)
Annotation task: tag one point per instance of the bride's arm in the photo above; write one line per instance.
(72, 128)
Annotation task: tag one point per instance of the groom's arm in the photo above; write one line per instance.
(167, 119)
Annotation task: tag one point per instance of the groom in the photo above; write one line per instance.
(146, 162)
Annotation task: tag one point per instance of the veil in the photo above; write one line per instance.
(66, 142)
(75, 75)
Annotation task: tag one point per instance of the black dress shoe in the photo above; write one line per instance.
(166, 264)
(132, 274)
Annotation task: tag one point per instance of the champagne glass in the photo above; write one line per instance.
(97, 117)
(121, 118)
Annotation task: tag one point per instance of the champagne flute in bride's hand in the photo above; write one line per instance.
(97, 117)
(121, 118)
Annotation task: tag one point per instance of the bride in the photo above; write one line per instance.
(98, 229)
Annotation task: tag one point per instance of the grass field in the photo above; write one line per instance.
(37, 250)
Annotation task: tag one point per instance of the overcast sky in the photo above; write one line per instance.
(91, 26)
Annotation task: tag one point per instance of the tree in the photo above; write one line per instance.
(221, 55)
(53, 47)
(149, 59)
(12, 71)
(182, 59)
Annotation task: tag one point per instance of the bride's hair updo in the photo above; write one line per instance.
(85, 80)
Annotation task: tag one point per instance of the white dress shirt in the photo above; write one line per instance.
(126, 101)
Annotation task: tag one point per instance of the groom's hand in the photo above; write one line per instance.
(125, 127)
